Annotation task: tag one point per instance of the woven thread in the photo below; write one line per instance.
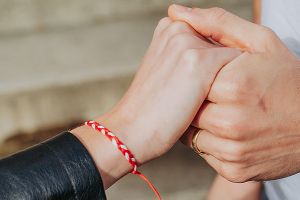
(125, 151)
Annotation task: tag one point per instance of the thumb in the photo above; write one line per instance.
(223, 27)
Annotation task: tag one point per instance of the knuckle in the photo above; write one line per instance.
(237, 126)
(233, 129)
(267, 33)
(234, 173)
(238, 87)
(163, 21)
(267, 37)
(179, 40)
(235, 152)
(191, 56)
(237, 91)
(177, 27)
(243, 88)
(191, 59)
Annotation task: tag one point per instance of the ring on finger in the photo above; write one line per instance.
(194, 143)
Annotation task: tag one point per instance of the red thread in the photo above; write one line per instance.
(125, 151)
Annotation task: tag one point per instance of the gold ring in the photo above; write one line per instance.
(194, 143)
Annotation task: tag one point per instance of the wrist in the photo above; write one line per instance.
(129, 132)
(109, 161)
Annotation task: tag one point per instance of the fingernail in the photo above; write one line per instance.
(181, 8)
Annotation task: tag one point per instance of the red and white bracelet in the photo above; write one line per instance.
(125, 151)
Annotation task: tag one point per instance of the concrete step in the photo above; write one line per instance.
(19, 16)
(56, 77)
(33, 15)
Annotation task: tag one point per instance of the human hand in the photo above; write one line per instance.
(251, 121)
(168, 89)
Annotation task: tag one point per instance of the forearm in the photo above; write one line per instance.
(109, 161)
(66, 167)
(225, 190)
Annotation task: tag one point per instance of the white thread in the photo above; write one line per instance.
(114, 142)
(127, 156)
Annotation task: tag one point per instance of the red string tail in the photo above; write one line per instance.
(143, 177)
(124, 150)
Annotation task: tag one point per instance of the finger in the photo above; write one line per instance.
(233, 172)
(234, 81)
(167, 30)
(209, 144)
(228, 121)
(187, 48)
(241, 81)
(180, 27)
(213, 162)
(158, 42)
(204, 135)
(201, 67)
(187, 137)
(176, 27)
(223, 27)
(162, 25)
(213, 60)
(211, 117)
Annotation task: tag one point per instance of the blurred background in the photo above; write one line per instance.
(58, 58)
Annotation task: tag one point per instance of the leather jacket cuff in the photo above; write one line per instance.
(60, 168)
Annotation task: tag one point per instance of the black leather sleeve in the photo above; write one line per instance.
(60, 168)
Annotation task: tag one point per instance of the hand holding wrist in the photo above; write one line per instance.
(251, 119)
(168, 89)
(171, 84)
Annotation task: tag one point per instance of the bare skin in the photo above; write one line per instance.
(237, 191)
(262, 87)
(226, 190)
(170, 86)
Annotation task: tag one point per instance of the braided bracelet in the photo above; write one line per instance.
(125, 151)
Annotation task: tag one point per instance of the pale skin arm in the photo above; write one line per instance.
(109, 162)
(226, 190)
(173, 80)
